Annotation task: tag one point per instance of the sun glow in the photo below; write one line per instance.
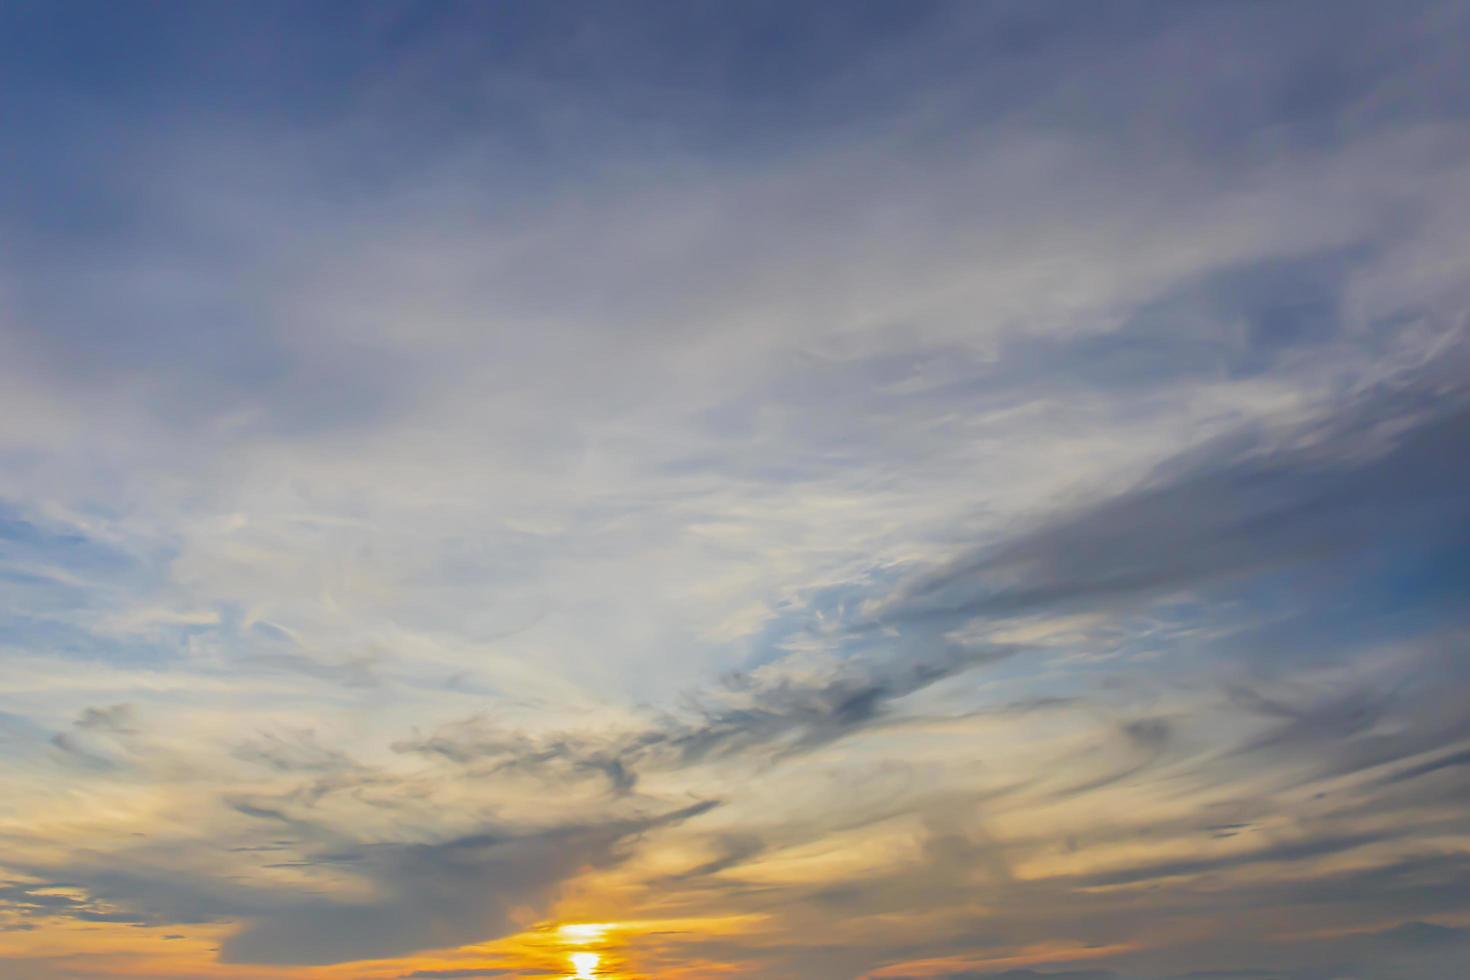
(585, 964)
(584, 932)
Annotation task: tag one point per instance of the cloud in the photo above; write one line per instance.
(1034, 975)
(1377, 473)
(435, 895)
(773, 710)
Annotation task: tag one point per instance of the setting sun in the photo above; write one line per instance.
(585, 964)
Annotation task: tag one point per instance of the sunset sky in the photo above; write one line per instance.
(696, 490)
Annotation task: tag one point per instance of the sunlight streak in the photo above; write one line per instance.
(583, 933)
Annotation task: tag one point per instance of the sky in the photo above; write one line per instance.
(697, 490)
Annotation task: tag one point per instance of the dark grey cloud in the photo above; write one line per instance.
(1404, 725)
(557, 757)
(795, 714)
(1380, 476)
(1279, 854)
(755, 715)
(292, 752)
(99, 736)
(1037, 975)
(58, 898)
(117, 718)
(1421, 935)
(1456, 760)
(434, 895)
(733, 850)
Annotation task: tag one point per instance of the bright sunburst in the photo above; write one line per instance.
(585, 965)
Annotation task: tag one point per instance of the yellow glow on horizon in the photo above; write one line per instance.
(586, 965)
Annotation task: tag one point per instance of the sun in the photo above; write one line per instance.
(586, 938)
(585, 964)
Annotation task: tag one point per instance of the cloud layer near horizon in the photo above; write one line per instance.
(931, 490)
